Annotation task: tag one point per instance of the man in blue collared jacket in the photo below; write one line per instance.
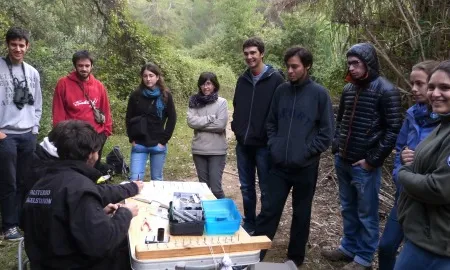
(300, 127)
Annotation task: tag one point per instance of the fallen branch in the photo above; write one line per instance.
(227, 172)
(383, 54)
(326, 175)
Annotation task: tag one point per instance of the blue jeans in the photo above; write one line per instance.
(414, 257)
(250, 158)
(16, 157)
(358, 193)
(390, 241)
(138, 160)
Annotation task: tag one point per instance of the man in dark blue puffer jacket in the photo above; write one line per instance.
(367, 124)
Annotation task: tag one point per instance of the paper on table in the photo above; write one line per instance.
(162, 191)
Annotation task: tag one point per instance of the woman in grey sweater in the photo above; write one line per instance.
(208, 116)
(424, 204)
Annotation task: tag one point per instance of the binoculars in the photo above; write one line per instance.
(22, 96)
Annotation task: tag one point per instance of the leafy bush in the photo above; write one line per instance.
(118, 66)
(317, 34)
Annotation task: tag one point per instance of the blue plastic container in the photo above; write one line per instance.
(221, 216)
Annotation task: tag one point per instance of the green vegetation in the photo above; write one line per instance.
(186, 37)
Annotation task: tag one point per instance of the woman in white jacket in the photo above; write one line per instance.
(208, 116)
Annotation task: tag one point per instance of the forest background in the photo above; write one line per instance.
(187, 37)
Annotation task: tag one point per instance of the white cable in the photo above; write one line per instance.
(226, 261)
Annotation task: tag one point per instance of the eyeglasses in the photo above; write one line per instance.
(354, 63)
(207, 83)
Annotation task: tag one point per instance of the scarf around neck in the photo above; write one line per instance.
(199, 100)
(155, 93)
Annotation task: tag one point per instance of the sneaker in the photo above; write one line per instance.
(356, 266)
(12, 234)
(335, 255)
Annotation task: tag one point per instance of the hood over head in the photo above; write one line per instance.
(367, 54)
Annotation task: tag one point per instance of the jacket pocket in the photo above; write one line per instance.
(277, 147)
(297, 152)
(138, 127)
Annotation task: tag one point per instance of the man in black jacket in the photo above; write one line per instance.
(367, 124)
(66, 223)
(300, 127)
(251, 102)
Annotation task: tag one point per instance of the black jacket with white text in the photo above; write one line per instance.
(64, 222)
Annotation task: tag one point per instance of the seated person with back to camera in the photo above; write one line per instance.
(65, 220)
(46, 154)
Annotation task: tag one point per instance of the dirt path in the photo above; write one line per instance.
(326, 222)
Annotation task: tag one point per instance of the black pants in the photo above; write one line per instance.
(280, 181)
(210, 170)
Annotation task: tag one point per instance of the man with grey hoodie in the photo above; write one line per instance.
(20, 113)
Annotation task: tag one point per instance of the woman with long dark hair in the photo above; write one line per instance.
(150, 122)
(208, 117)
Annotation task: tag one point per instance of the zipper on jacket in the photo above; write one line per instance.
(250, 114)
(290, 124)
(251, 104)
(350, 123)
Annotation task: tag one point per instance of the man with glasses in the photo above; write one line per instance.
(20, 113)
(367, 124)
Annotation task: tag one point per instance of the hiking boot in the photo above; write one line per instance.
(12, 234)
(356, 266)
(335, 255)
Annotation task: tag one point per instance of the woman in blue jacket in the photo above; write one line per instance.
(418, 123)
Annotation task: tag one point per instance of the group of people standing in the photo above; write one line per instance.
(368, 127)
(281, 128)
